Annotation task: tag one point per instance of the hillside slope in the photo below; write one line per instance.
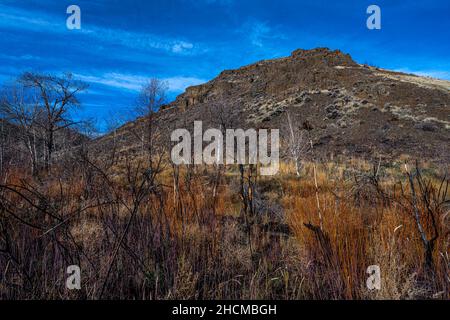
(345, 108)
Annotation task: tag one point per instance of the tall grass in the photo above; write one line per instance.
(182, 233)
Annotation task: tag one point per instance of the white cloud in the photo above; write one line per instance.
(258, 31)
(182, 46)
(19, 58)
(116, 80)
(137, 40)
(20, 19)
(438, 74)
(135, 82)
(179, 84)
(15, 20)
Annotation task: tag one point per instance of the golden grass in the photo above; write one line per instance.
(191, 245)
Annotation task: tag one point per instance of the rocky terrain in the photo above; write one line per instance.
(344, 107)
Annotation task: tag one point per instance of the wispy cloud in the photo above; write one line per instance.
(260, 33)
(138, 40)
(437, 74)
(182, 46)
(135, 82)
(178, 84)
(19, 58)
(19, 19)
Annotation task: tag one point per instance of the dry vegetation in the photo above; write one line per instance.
(145, 231)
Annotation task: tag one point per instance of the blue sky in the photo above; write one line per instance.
(187, 42)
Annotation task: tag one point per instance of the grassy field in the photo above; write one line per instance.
(140, 230)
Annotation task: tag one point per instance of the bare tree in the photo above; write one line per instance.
(151, 97)
(297, 145)
(19, 107)
(427, 205)
(55, 98)
(219, 116)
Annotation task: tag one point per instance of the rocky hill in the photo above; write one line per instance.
(345, 108)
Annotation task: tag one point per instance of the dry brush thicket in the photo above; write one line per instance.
(142, 229)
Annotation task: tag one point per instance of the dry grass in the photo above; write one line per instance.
(170, 238)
